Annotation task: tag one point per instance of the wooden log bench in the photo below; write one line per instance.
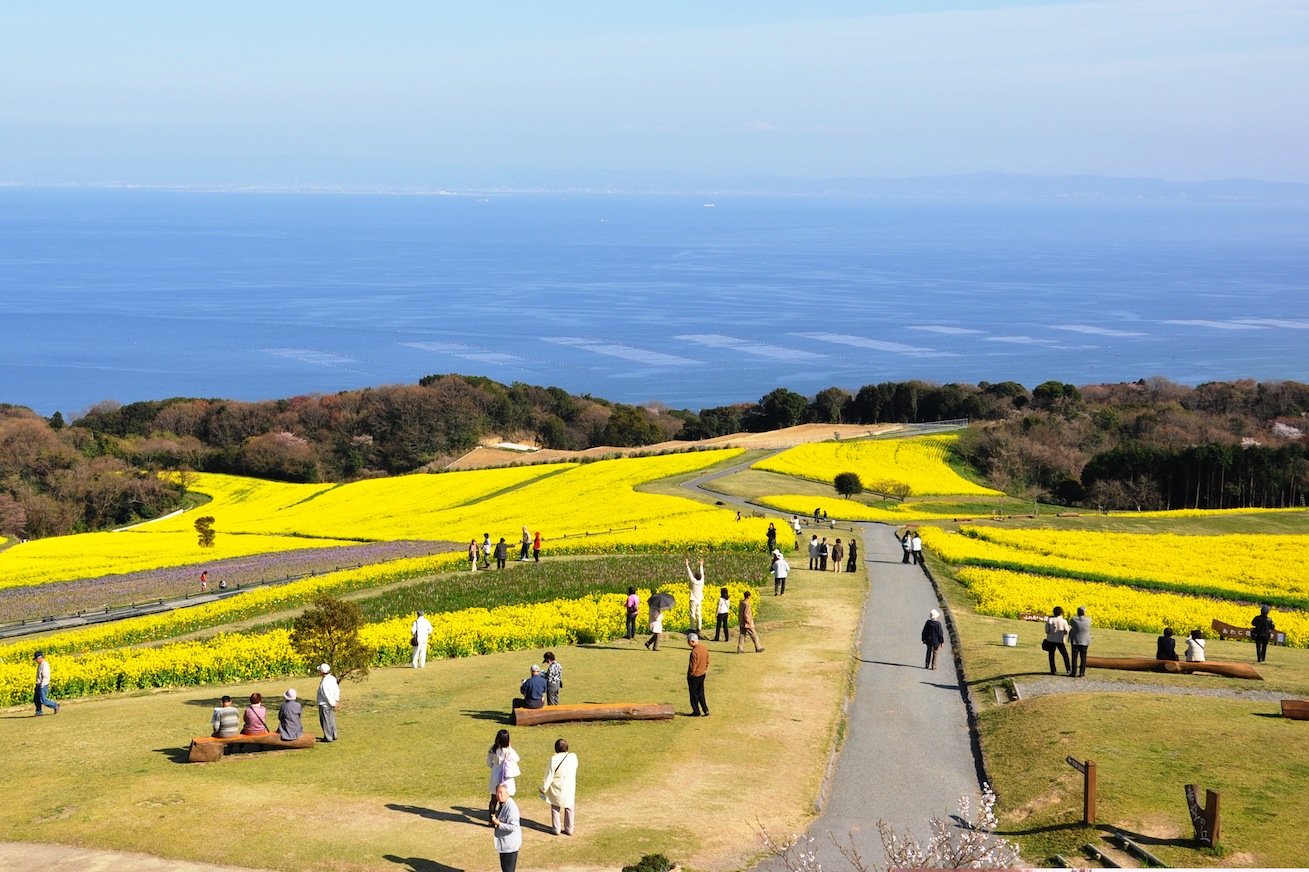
(209, 749)
(1295, 709)
(1146, 664)
(594, 711)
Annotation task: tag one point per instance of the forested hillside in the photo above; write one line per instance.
(1144, 445)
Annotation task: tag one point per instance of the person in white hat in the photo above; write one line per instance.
(781, 569)
(289, 725)
(329, 698)
(933, 637)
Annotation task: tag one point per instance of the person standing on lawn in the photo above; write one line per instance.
(720, 622)
(697, 593)
(781, 569)
(554, 678)
(696, 669)
(508, 832)
(329, 699)
(1079, 636)
(633, 608)
(1056, 631)
(420, 630)
(838, 556)
(526, 545)
(745, 625)
(1261, 630)
(42, 694)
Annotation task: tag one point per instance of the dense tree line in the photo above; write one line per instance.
(1146, 444)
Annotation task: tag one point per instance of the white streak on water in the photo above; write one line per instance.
(759, 349)
(1217, 325)
(626, 352)
(862, 342)
(469, 352)
(948, 331)
(1096, 331)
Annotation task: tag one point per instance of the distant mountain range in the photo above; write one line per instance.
(313, 174)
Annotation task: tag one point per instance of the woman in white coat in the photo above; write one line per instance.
(560, 787)
(503, 763)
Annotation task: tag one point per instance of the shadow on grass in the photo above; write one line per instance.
(175, 755)
(1277, 715)
(1144, 840)
(458, 814)
(418, 864)
(497, 715)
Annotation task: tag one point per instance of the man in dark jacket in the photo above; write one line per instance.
(933, 638)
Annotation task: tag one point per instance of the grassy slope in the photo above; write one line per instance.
(406, 782)
(1146, 747)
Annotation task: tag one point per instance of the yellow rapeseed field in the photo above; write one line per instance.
(575, 506)
(919, 462)
(1008, 594)
(849, 510)
(234, 657)
(1251, 568)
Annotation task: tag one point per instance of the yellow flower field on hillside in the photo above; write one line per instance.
(1263, 568)
(1008, 594)
(573, 505)
(87, 555)
(919, 462)
(849, 510)
(234, 657)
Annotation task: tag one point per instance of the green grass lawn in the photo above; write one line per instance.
(407, 782)
(1147, 746)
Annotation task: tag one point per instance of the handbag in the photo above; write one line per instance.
(413, 640)
(1047, 645)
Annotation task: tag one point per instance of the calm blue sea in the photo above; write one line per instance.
(132, 294)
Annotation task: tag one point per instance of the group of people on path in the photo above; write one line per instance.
(558, 788)
(486, 551)
(912, 545)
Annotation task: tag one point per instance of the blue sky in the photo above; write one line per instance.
(402, 93)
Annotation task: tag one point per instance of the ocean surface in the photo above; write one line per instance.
(130, 295)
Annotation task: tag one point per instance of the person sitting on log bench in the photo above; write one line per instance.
(226, 721)
(289, 725)
(533, 689)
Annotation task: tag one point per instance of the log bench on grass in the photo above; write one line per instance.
(1295, 709)
(209, 749)
(1145, 664)
(594, 711)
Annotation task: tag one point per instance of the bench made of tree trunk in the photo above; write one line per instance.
(594, 711)
(1145, 664)
(1295, 709)
(209, 749)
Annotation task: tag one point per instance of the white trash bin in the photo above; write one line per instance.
(1010, 640)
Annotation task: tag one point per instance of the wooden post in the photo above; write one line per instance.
(1206, 821)
(1088, 787)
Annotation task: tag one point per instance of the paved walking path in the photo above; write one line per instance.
(908, 753)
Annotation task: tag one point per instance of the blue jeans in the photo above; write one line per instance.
(43, 700)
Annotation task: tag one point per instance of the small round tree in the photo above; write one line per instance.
(204, 528)
(847, 484)
(328, 632)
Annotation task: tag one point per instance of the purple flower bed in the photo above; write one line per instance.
(71, 597)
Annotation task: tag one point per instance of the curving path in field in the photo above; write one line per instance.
(908, 752)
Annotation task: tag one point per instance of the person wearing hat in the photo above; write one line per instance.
(329, 698)
(289, 726)
(781, 569)
(697, 592)
(421, 629)
(226, 721)
(42, 695)
(933, 638)
(533, 689)
(697, 667)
